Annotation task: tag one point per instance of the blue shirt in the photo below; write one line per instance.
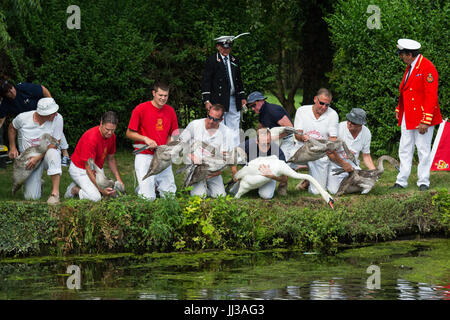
(270, 114)
(27, 97)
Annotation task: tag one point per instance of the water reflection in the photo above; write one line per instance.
(326, 290)
(420, 291)
(286, 275)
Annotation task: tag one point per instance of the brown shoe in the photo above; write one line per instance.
(304, 185)
(282, 189)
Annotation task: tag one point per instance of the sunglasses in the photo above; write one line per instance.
(214, 119)
(323, 103)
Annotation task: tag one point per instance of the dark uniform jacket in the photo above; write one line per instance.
(215, 82)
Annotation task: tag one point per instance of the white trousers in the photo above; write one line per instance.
(408, 141)
(319, 170)
(163, 181)
(63, 143)
(232, 119)
(266, 191)
(212, 187)
(87, 189)
(52, 163)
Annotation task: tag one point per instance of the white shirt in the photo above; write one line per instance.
(221, 140)
(322, 128)
(228, 68)
(356, 145)
(30, 132)
(413, 64)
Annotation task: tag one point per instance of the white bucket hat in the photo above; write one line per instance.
(46, 106)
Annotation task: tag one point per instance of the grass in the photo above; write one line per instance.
(125, 161)
(298, 99)
(299, 220)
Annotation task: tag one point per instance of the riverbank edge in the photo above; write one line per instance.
(183, 223)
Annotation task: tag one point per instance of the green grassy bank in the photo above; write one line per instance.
(131, 224)
(301, 220)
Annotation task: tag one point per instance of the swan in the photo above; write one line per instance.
(103, 181)
(20, 172)
(163, 156)
(250, 177)
(211, 163)
(314, 149)
(363, 180)
(275, 132)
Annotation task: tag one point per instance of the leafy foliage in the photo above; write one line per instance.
(134, 224)
(124, 46)
(97, 68)
(366, 70)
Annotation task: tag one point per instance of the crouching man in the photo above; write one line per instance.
(29, 127)
(263, 147)
(98, 143)
(212, 131)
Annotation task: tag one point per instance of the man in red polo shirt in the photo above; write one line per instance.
(153, 123)
(98, 143)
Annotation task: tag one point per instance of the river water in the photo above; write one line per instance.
(398, 270)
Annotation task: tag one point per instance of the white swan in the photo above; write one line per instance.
(250, 177)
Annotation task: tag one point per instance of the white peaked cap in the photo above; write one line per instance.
(229, 38)
(408, 44)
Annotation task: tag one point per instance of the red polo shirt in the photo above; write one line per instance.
(157, 124)
(93, 145)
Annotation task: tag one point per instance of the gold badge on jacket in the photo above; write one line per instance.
(430, 78)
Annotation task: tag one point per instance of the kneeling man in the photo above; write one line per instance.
(212, 131)
(98, 143)
(29, 127)
(263, 147)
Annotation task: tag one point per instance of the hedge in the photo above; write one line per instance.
(132, 224)
(366, 69)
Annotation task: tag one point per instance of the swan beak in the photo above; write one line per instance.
(397, 167)
(330, 203)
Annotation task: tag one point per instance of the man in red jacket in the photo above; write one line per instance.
(417, 113)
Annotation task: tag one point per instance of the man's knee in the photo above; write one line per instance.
(53, 159)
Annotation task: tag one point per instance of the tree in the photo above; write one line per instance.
(278, 27)
(20, 7)
(97, 68)
(366, 69)
(317, 52)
